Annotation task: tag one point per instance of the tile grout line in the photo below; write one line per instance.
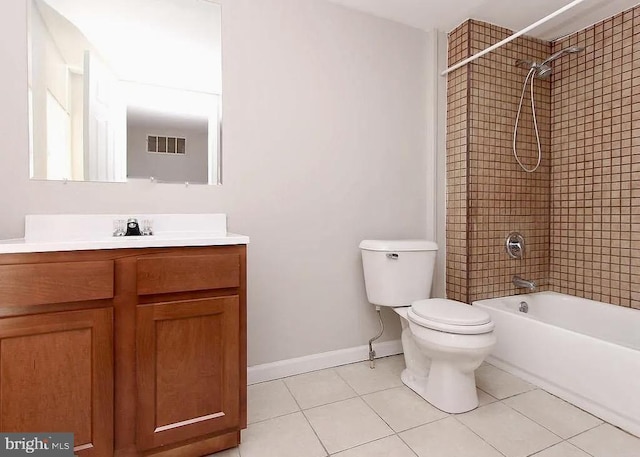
(383, 420)
(579, 448)
(474, 432)
(366, 362)
(273, 417)
(367, 405)
(275, 381)
(326, 451)
(544, 449)
(547, 428)
(407, 444)
(534, 421)
(360, 396)
(357, 395)
(426, 423)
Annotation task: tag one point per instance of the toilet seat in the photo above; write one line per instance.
(450, 316)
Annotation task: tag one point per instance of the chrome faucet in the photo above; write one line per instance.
(131, 227)
(519, 282)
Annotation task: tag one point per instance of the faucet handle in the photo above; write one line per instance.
(118, 227)
(147, 227)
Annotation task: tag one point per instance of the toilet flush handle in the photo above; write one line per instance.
(392, 256)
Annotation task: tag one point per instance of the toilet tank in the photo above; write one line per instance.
(398, 272)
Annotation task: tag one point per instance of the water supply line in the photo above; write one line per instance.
(531, 75)
(372, 353)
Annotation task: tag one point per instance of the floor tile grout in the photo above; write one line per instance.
(547, 428)
(407, 444)
(474, 432)
(577, 447)
(360, 396)
(532, 419)
(326, 451)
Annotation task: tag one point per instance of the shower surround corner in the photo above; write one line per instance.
(580, 211)
(488, 194)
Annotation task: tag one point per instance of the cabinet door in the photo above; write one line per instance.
(56, 375)
(187, 369)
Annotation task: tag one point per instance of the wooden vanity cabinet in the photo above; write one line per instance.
(138, 352)
(190, 340)
(56, 349)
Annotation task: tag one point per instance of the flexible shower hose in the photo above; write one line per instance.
(531, 75)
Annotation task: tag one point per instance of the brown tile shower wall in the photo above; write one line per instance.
(488, 194)
(595, 205)
(580, 212)
(457, 147)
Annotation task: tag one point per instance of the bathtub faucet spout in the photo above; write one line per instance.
(519, 282)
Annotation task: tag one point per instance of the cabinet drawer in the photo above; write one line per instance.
(49, 283)
(162, 275)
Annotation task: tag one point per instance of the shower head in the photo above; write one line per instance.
(557, 55)
(543, 70)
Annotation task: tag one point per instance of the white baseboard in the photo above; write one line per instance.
(299, 365)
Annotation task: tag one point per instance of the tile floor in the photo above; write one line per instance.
(353, 411)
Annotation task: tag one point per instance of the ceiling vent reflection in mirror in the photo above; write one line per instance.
(166, 145)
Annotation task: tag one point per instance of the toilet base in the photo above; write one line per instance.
(450, 389)
(446, 389)
(416, 383)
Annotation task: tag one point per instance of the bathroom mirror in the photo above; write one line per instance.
(123, 89)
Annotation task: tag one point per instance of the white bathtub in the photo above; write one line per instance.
(584, 351)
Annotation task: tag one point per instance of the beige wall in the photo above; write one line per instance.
(324, 145)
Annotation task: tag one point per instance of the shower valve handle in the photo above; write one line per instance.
(514, 245)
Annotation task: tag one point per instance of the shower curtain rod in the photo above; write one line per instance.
(511, 38)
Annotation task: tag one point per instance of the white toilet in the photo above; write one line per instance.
(444, 341)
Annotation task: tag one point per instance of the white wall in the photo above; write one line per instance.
(324, 145)
(436, 128)
(191, 167)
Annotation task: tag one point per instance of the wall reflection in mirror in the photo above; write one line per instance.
(125, 89)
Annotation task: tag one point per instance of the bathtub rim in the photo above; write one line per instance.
(483, 304)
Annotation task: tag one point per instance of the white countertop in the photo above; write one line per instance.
(86, 232)
(123, 242)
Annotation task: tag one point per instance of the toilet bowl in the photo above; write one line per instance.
(444, 342)
(417, 365)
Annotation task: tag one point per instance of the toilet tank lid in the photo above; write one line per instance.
(398, 245)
